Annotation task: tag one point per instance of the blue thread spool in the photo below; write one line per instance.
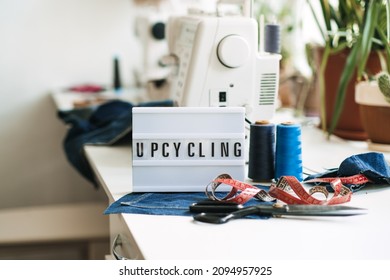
(262, 151)
(288, 157)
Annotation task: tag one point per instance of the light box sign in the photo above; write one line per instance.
(182, 149)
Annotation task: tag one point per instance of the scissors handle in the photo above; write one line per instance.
(213, 218)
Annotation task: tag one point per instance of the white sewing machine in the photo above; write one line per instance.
(149, 29)
(219, 64)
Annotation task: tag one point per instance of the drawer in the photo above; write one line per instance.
(123, 245)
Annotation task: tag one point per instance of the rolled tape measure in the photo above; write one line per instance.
(288, 189)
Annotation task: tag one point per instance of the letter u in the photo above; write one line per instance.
(140, 149)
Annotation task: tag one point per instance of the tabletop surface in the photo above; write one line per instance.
(287, 238)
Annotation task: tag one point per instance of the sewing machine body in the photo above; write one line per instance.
(218, 64)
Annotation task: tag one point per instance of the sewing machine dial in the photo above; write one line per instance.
(233, 51)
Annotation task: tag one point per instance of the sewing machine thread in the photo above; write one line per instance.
(288, 155)
(272, 38)
(261, 151)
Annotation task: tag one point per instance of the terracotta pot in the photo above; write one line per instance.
(375, 114)
(350, 125)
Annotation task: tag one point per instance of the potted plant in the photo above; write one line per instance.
(373, 98)
(353, 32)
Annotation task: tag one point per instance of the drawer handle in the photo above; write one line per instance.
(117, 242)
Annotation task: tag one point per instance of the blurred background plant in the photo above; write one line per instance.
(383, 79)
(358, 26)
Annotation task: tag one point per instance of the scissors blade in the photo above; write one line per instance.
(313, 210)
(277, 209)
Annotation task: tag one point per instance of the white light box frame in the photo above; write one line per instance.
(182, 149)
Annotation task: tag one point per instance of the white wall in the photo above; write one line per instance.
(46, 45)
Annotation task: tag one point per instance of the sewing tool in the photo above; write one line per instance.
(261, 151)
(288, 190)
(212, 206)
(282, 210)
(217, 63)
(288, 157)
(240, 192)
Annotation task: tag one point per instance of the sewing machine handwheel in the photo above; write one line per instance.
(233, 51)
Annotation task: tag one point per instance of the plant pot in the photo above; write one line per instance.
(375, 115)
(350, 125)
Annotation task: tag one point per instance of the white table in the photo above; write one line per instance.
(176, 237)
(65, 100)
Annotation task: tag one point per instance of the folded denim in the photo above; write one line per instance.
(102, 125)
(373, 165)
(176, 204)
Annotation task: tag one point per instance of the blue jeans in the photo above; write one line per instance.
(165, 203)
(104, 125)
(373, 165)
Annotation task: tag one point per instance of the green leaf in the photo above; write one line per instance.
(346, 76)
(367, 35)
(358, 24)
(326, 13)
(383, 38)
(340, 47)
(322, 86)
(324, 35)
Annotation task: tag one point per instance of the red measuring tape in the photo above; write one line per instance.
(288, 189)
(351, 180)
(240, 192)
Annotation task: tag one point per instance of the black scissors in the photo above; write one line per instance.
(280, 210)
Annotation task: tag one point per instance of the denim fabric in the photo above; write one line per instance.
(103, 125)
(156, 203)
(373, 165)
(165, 204)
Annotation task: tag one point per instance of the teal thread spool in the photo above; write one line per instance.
(288, 155)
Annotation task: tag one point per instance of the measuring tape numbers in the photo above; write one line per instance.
(288, 189)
